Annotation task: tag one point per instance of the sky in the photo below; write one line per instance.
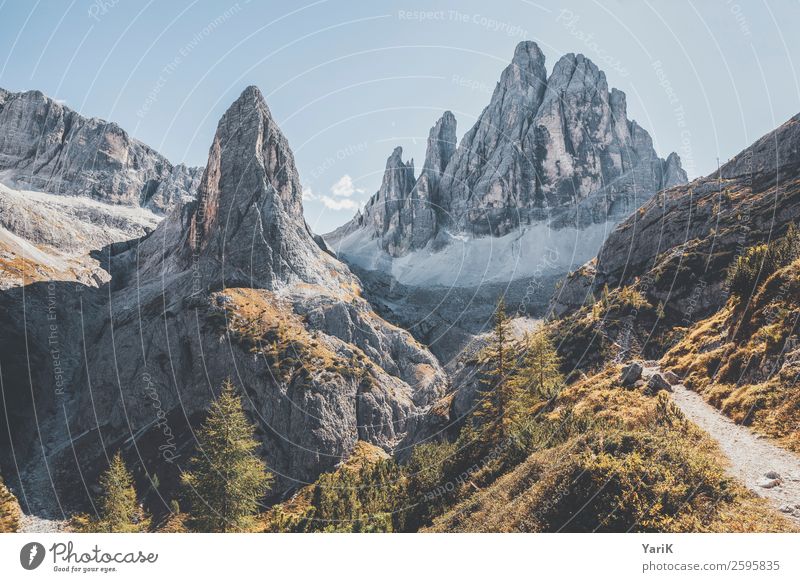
(348, 81)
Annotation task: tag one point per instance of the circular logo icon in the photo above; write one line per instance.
(31, 555)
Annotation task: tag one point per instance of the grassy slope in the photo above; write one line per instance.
(640, 468)
(745, 359)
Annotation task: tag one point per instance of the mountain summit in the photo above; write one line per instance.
(531, 191)
(247, 225)
(233, 286)
(555, 151)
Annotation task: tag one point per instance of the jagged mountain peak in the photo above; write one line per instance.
(247, 226)
(249, 161)
(552, 162)
(526, 66)
(441, 143)
(575, 71)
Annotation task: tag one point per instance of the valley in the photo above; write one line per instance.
(549, 328)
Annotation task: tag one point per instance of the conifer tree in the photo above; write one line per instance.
(120, 512)
(226, 480)
(539, 375)
(605, 297)
(497, 390)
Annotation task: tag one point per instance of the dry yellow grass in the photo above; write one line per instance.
(633, 469)
(267, 324)
(10, 512)
(745, 360)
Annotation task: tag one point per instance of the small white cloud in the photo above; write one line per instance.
(344, 187)
(308, 194)
(339, 204)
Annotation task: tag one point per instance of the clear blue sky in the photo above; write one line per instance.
(348, 81)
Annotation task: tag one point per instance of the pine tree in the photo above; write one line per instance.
(539, 375)
(120, 512)
(226, 480)
(497, 390)
(426, 474)
(605, 297)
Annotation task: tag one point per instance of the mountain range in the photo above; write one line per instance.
(132, 288)
(530, 193)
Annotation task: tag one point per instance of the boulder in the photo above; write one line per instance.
(630, 374)
(657, 383)
(768, 482)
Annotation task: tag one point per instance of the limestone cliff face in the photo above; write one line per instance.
(680, 242)
(48, 147)
(230, 286)
(558, 149)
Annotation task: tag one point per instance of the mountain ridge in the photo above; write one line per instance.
(232, 285)
(555, 148)
(47, 146)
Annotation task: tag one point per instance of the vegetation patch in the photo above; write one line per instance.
(745, 359)
(267, 325)
(10, 512)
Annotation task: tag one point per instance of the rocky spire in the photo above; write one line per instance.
(559, 149)
(441, 145)
(382, 212)
(674, 174)
(247, 227)
(402, 214)
(425, 196)
(488, 167)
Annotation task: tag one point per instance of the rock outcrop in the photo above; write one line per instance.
(48, 147)
(246, 227)
(232, 285)
(404, 210)
(555, 150)
(677, 247)
(51, 237)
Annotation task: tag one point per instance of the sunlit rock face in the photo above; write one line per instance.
(48, 147)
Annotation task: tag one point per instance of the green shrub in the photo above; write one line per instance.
(426, 472)
(369, 498)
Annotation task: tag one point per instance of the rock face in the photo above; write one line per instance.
(48, 147)
(52, 237)
(232, 285)
(678, 246)
(403, 213)
(246, 228)
(530, 193)
(558, 150)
